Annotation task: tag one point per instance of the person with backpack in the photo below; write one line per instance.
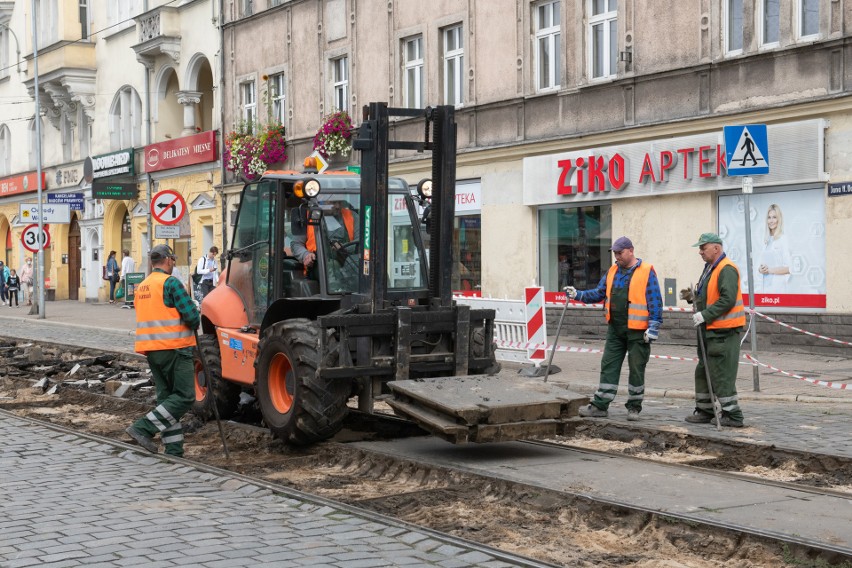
(208, 269)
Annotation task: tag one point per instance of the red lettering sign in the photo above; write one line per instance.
(21, 184)
(186, 151)
(647, 169)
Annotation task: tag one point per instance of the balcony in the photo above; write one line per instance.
(158, 31)
(66, 79)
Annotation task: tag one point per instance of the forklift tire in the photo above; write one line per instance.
(297, 405)
(226, 394)
(478, 350)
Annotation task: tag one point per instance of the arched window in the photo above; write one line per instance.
(5, 150)
(125, 119)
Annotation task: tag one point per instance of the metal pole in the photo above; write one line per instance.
(40, 264)
(747, 189)
(556, 339)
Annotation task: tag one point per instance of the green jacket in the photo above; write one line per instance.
(728, 282)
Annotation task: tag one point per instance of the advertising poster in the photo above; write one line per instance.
(787, 242)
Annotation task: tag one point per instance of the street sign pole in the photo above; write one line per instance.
(40, 269)
(748, 187)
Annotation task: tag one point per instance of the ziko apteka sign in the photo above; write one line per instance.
(106, 190)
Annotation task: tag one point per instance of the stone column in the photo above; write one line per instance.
(188, 99)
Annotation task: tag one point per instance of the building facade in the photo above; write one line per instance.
(116, 80)
(581, 121)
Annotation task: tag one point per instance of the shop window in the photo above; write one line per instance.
(467, 272)
(574, 246)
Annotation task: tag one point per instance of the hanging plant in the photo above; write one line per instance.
(248, 154)
(335, 134)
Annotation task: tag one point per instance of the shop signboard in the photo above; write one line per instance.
(21, 184)
(53, 213)
(196, 149)
(74, 200)
(120, 163)
(788, 242)
(106, 190)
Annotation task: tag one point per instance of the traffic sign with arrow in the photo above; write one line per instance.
(168, 207)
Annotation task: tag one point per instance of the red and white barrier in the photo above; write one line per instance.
(536, 322)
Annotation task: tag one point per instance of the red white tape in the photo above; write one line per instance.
(829, 384)
(566, 349)
(788, 326)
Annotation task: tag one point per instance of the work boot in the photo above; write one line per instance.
(729, 422)
(633, 415)
(699, 417)
(593, 411)
(142, 439)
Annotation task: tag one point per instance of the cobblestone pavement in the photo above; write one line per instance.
(70, 501)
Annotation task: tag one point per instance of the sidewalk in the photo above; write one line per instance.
(110, 326)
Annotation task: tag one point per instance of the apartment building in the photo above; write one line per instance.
(583, 120)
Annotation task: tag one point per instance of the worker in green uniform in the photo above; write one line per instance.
(166, 318)
(633, 305)
(720, 317)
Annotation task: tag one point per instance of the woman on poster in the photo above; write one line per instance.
(774, 260)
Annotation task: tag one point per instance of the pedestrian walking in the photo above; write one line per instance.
(166, 318)
(113, 275)
(209, 271)
(633, 305)
(128, 265)
(721, 317)
(4, 274)
(13, 284)
(27, 281)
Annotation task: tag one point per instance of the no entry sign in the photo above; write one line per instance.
(168, 207)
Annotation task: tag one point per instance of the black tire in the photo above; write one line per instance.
(477, 349)
(297, 405)
(226, 394)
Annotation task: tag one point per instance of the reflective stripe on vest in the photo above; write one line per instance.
(637, 304)
(735, 317)
(158, 327)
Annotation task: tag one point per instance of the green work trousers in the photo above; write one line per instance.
(173, 371)
(621, 341)
(723, 359)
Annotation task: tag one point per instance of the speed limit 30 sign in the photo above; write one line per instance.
(31, 238)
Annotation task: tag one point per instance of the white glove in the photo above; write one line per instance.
(571, 291)
(651, 335)
(697, 319)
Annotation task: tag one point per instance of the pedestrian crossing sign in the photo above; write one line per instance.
(746, 150)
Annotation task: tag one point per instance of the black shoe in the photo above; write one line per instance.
(699, 417)
(729, 422)
(142, 439)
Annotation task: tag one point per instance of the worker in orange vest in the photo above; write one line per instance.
(719, 308)
(341, 219)
(633, 305)
(166, 318)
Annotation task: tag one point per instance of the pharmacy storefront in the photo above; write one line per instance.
(664, 193)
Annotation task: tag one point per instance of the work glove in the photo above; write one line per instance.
(697, 319)
(688, 295)
(653, 332)
(571, 291)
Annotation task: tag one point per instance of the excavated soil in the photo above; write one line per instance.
(561, 529)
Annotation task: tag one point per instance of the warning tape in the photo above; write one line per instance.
(575, 304)
(829, 384)
(788, 326)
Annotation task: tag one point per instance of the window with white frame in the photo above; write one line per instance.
(84, 19)
(47, 18)
(5, 150)
(125, 120)
(122, 11)
(454, 65)
(4, 51)
(248, 104)
(340, 76)
(770, 17)
(733, 26)
(808, 15)
(247, 7)
(548, 39)
(412, 78)
(278, 97)
(603, 38)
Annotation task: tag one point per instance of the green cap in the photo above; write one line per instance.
(707, 238)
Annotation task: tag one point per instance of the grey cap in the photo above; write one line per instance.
(161, 252)
(620, 244)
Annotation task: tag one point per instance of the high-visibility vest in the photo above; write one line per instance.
(158, 327)
(348, 222)
(637, 304)
(735, 317)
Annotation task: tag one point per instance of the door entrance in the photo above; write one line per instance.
(74, 260)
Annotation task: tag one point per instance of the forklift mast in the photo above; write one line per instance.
(374, 142)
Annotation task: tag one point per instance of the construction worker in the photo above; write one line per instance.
(634, 311)
(720, 313)
(340, 225)
(166, 318)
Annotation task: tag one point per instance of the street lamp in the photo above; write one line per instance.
(17, 46)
